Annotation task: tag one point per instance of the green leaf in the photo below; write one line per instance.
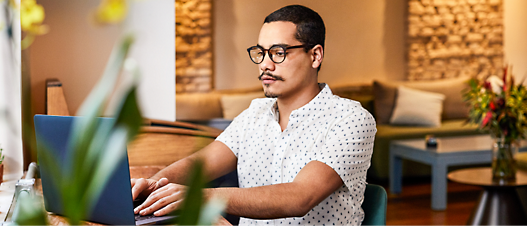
(29, 211)
(126, 127)
(83, 129)
(114, 152)
(211, 211)
(191, 207)
(97, 147)
(129, 115)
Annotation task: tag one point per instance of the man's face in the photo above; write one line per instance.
(295, 72)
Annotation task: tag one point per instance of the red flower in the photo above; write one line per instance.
(487, 85)
(487, 118)
(492, 106)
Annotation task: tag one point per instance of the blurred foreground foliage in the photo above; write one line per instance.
(97, 148)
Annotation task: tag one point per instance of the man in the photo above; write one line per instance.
(301, 154)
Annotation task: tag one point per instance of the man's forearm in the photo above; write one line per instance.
(314, 183)
(176, 172)
(217, 159)
(265, 202)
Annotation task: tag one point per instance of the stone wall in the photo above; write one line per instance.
(451, 38)
(193, 46)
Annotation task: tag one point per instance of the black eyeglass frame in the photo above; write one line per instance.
(270, 55)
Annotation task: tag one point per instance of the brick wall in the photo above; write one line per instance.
(193, 46)
(451, 38)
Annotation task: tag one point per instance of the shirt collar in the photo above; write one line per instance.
(324, 95)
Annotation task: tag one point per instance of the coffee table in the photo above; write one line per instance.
(450, 151)
(499, 203)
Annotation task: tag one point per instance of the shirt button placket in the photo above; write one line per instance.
(276, 163)
(280, 149)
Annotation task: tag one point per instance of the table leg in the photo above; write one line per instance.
(396, 166)
(498, 206)
(439, 186)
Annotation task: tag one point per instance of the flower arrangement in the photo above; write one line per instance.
(499, 106)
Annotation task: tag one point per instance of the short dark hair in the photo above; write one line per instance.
(310, 28)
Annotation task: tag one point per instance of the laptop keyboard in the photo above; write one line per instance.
(140, 218)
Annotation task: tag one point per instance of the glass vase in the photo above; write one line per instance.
(503, 162)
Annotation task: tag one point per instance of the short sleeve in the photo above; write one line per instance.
(232, 135)
(348, 148)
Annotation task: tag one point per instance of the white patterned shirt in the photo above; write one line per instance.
(336, 131)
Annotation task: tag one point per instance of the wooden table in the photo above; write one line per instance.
(499, 203)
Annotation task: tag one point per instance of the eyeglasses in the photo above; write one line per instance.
(277, 53)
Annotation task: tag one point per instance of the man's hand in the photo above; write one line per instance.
(163, 200)
(144, 187)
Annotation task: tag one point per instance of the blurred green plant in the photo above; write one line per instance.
(1, 155)
(98, 148)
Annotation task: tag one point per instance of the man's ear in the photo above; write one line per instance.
(317, 56)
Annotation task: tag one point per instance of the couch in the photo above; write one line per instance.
(218, 108)
(453, 122)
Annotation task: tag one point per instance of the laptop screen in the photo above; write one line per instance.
(114, 206)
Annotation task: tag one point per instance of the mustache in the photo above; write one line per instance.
(275, 77)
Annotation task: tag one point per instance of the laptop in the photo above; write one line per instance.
(115, 205)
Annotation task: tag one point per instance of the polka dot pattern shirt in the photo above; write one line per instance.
(336, 131)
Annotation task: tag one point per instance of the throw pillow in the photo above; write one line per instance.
(234, 104)
(416, 107)
(453, 106)
(383, 101)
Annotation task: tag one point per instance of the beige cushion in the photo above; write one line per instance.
(453, 106)
(234, 104)
(415, 107)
